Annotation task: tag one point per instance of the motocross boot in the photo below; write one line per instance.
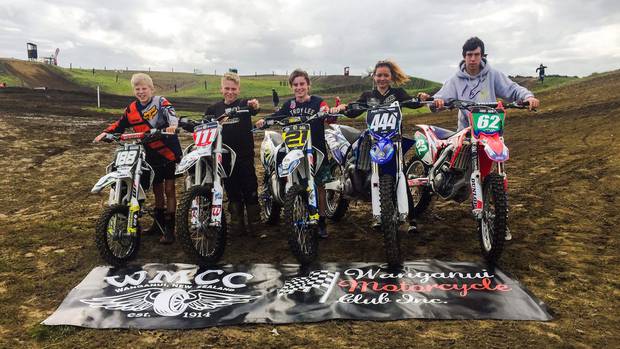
(236, 216)
(158, 223)
(168, 236)
(322, 228)
(413, 227)
(254, 219)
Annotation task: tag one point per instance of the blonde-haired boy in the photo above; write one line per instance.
(241, 187)
(144, 113)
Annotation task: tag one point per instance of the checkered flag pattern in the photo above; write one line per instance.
(320, 279)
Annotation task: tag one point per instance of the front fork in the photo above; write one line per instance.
(313, 208)
(218, 193)
(134, 205)
(401, 187)
(476, 181)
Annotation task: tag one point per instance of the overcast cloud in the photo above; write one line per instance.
(425, 37)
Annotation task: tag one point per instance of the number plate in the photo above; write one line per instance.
(127, 156)
(383, 121)
(205, 134)
(295, 136)
(488, 123)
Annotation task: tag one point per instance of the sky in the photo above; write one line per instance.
(259, 36)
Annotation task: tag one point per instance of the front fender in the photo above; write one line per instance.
(189, 160)
(108, 179)
(494, 147)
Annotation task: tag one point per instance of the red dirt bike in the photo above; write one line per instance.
(466, 164)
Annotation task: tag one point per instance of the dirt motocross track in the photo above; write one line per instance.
(564, 181)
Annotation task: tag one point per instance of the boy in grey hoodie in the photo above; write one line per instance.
(476, 81)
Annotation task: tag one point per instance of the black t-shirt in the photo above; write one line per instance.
(308, 108)
(237, 130)
(392, 94)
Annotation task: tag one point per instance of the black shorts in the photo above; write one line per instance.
(163, 172)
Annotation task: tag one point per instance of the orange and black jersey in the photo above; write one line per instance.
(369, 97)
(157, 113)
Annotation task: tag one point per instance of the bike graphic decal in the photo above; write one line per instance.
(295, 137)
(205, 135)
(488, 123)
(383, 121)
(170, 302)
(126, 157)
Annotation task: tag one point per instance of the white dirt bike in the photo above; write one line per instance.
(290, 163)
(117, 232)
(201, 222)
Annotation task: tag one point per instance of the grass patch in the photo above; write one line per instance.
(42, 333)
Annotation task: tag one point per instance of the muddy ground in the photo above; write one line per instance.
(564, 180)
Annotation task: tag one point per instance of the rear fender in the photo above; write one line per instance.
(268, 148)
(337, 143)
(423, 148)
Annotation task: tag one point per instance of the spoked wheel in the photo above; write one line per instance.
(419, 197)
(303, 238)
(115, 245)
(337, 205)
(389, 221)
(492, 227)
(271, 209)
(202, 242)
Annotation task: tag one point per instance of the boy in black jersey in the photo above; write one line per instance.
(306, 105)
(241, 186)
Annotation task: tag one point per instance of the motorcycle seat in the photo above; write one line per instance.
(442, 133)
(350, 133)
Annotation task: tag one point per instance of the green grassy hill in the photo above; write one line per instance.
(24, 73)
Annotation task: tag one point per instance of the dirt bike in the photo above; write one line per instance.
(369, 167)
(117, 232)
(290, 164)
(468, 163)
(201, 223)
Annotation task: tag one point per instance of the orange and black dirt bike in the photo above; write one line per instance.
(129, 176)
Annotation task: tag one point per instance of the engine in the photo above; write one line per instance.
(452, 183)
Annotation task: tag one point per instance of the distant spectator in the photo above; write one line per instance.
(2, 84)
(276, 99)
(541, 72)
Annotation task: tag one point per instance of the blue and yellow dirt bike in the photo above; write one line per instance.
(369, 167)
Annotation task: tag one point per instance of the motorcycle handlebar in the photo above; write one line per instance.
(409, 103)
(466, 104)
(270, 120)
(118, 137)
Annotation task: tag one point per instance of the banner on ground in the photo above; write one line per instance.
(176, 296)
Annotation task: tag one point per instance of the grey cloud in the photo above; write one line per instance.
(425, 37)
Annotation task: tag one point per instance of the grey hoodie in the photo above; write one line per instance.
(487, 86)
